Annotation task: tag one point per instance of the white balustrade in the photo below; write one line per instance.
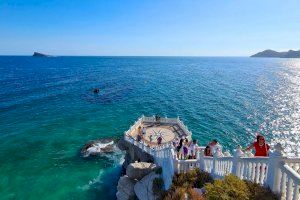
(288, 183)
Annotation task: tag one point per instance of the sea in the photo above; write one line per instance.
(48, 112)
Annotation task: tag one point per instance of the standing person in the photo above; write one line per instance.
(193, 146)
(207, 151)
(215, 147)
(179, 149)
(139, 137)
(150, 137)
(186, 148)
(143, 130)
(175, 142)
(139, 130)
(260, 146)
(159, 139)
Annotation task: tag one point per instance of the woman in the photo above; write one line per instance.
(186, 148)
(260, 146)
(179, 149)
(207, 151)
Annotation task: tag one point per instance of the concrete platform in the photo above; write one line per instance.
(167, 131)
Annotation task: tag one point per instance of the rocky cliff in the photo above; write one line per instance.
(274, 54)
(139, 173)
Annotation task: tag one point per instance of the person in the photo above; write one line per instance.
(179, 149)
(139, 130)
(207, 151)
(260, 146)
(150, 137)
(185, 148)
(143, 130)
(215, 147)
(175, 142)
(157, 119)
(192, 149)
(159, 139)
(139, 137)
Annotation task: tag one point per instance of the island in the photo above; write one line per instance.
(37, 54)
(275, 54)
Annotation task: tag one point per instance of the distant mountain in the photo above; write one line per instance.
(37, 54)
(274, 54)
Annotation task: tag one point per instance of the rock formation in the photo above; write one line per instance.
(143, 188)
(37, 54)
(125, 188)
(139, 170)
(97, 147)
(275, 54)
(137, 181)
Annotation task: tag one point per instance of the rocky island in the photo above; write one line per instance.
(37, 54)
(275, 54)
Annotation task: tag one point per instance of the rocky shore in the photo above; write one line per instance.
(139, 173)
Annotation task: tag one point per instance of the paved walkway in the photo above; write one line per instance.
(168, 133)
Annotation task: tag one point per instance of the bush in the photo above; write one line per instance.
(179, 193)
(257, 192)
(175, 193)
(194, 178)
(230, 188)
(193, 195)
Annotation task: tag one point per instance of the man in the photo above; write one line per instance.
(143, 130)
(193, 146)
(215, 147)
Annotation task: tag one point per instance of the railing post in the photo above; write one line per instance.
(275, 159)
(214, 167)
(238, 153)
(200, 157)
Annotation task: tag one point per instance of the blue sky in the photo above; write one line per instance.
(148, 27)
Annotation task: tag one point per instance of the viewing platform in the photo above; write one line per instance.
(280, 173)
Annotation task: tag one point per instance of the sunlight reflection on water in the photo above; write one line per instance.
(285, 106)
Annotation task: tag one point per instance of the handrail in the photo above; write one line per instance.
(291, 173)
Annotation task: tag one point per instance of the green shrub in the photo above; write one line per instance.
(180, 193)
(257, 192)
(231, 187)
(202, 178)
(193, 178)
(175, 193)
(193, 195)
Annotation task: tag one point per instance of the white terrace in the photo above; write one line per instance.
(280, 173)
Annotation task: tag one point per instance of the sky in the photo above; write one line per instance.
(148, 27)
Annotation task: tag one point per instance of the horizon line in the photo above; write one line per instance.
(50, 55)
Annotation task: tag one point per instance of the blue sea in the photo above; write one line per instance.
(48, 111)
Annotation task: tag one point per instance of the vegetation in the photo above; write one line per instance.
(183, 184)
(194, 179)
(258, 192)
(229, 188)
